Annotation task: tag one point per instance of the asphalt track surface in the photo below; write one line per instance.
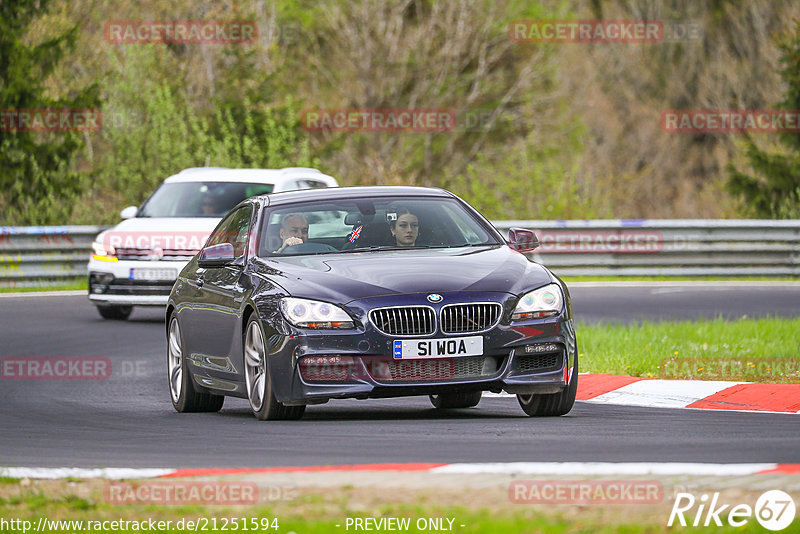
(127, 420)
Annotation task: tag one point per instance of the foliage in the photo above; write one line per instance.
(775, 190)
(153, 131)
(38, 180)
(566, 130)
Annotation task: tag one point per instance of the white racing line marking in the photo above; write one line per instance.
(114, 473)
(663, 393)
(71, 293)
(604, 468)
(498, 468)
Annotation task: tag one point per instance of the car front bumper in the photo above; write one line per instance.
(523, 365)
(525, 357)
(113, 284)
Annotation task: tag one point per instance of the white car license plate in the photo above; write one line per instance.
(153, 274)
(411, 349)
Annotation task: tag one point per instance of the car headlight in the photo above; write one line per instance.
(307, 313)
(103, 252)
(546, 301)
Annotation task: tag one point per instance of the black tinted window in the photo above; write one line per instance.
(199, 199)
(349, 225)
(234, 229)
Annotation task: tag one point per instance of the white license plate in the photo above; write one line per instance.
(411, 349)
(153, 274)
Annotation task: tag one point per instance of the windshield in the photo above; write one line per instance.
(199, 199)
(345, 226)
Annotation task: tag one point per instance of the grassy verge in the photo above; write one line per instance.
(71, 285)
(82, 283)
(326, 511)
(752, 350)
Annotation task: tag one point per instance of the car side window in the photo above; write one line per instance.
(234, 229)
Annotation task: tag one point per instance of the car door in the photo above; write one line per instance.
(221, 293)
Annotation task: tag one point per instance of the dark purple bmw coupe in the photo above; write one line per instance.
(367, 292)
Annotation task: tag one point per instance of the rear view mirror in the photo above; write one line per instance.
(352, 219)
(216, 255)
(129, 212)
(522, 240)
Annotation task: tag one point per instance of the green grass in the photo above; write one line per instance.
(301, 517)
(82, 283)
(71, 285)
(753, 350)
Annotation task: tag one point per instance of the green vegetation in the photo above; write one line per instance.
(49, 285)
(542, 131)
(320, 513)
(775, 193)
(752, 350)
(38, 179)
(82, 283)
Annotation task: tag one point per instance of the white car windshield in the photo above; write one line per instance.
(199, 199)
(357, 225)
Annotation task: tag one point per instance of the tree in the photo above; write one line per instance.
(153, 130)
(37, 175)
(775, 191)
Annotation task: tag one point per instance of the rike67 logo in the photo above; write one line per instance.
(774, 510)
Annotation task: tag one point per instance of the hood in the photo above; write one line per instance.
(166, 233)
(342, 278)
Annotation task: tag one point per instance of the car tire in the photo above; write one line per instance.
(182, 393)
(447, 401)
(553, 404)
(260, 393)
(119, 313)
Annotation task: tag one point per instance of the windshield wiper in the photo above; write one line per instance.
(375, 248)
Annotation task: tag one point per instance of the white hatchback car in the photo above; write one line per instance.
(137, 262)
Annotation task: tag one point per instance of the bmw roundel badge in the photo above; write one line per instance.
(435, 297)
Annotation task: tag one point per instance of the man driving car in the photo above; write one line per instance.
(294, 231)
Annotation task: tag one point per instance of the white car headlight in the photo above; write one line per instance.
(546, 301)
(307, 313)
(103, 252)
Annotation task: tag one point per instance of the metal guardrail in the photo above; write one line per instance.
(38, 255)
(667, 247)
(44, 255)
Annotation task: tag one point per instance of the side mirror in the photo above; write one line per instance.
(129, 212)
(216, 255)
(522, 240)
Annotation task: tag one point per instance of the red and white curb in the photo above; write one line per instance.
(701, 394)
(507, 468)
(709, 395)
